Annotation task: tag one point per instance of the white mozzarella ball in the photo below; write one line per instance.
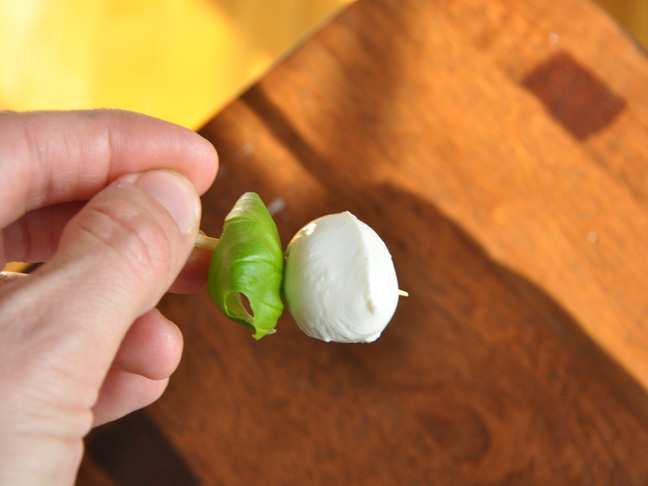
(339, 282)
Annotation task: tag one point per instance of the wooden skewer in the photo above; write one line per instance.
(206, 242)
(209, 243)
(6, 277)
(202, 241)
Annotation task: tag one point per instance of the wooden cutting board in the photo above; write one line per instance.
(500, 148)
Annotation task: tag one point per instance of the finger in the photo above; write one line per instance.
(123, 393)
(193, 276)
(116, 259)
(151, 348)
(67, 156)
(35, 236)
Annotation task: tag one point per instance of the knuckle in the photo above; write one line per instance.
(133, 234)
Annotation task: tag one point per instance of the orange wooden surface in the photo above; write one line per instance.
(499, 148)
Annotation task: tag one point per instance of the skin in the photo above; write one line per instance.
(109, 200)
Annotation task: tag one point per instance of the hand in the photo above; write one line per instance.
(110, 201)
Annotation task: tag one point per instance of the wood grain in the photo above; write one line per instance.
(521, 356)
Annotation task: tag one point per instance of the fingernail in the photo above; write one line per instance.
(176, 194)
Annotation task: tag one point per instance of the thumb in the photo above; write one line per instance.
(116, 259)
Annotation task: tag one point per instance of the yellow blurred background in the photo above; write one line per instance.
(175, 59)
(180, 60)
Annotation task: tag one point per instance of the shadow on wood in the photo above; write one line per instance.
(479, 379)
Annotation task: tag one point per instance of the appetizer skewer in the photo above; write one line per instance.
(337, 276)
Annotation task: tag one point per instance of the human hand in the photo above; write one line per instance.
(109, 200)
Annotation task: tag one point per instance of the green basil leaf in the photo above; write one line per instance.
(248, 261)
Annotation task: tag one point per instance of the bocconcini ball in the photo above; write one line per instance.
(340, 283)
